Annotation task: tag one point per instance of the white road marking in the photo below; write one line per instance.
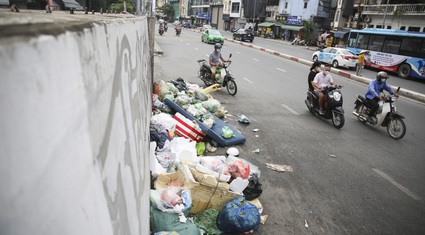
(291, 110)
(187, 44)
(398, 185)
(196, 49)
(207, 55)
(246, 79)
(255, 59)
(237, 52)
(281, 70)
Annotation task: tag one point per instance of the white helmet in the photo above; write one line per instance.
(233, 151)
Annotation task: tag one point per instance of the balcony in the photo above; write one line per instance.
(395, 9)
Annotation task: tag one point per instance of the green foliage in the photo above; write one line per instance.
(118, 6)
(167, 10)
(307, 30)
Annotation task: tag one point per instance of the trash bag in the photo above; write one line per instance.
(211, 105)
(179, 84)
(253, 190)
(207, 221)
(201, 96)
(243, 119)
(200, 148)
(164, 221)
(238, 216)
(226, 132)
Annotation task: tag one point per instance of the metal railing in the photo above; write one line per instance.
(401, 9)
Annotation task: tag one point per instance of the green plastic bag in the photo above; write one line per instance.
(200, 148)
(226, 132)
(206, 220)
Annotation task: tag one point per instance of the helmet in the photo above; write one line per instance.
(217, 45)
(382, 77)
(233, 151)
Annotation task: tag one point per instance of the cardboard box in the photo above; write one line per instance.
(205, 190)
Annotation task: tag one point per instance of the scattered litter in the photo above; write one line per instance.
(305, 224)
(243, 119)
(210, 148)
(255, 130)
(311, 212)
(256, 151)
(281, 168)
(256, 136)
(332, 155)
(264, 218)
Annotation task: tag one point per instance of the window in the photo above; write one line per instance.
(389, 27)
(422, 51)
(305, 5)
(235, 7)
(375, 43)
(411, 46)
(363, 41)
(403, 28)
(352, 40)
(371, 26)
(414, 29)
(333, 51)
(391, 45)
(379, 26)
(286, 5)
(423, 30)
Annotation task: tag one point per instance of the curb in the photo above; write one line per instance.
(157, 49)
(404, 92)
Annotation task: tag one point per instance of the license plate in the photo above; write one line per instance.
(216, 40)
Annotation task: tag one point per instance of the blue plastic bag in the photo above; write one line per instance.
(238, 216)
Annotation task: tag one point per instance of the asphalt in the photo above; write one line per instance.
(406, 93)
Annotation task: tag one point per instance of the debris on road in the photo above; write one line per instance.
(281, 168)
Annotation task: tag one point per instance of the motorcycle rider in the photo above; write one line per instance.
(374, 91)
(320, 81)
(314, 70)
(215, 58)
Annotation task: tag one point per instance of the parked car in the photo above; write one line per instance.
(186, 25)
(205, 27)
(212, 36)
(336, 57)
(243, 35)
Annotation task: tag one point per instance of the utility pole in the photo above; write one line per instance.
(255, 6)
(385, 14)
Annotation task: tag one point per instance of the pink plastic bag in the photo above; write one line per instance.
(239, 169)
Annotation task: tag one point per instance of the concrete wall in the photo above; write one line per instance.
(75, 104)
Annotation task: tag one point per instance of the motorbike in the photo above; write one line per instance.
(161, 30)
(386, 115)
(223, 76)
(333, 105)
(178, 31)
(165, 27)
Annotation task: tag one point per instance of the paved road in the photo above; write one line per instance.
(414, 89)
(356, 180)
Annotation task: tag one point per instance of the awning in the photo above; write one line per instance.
(291, 27)
(72, 4)
(340, 34)
(265, 24)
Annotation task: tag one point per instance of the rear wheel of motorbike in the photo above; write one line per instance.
(338, 119)
(396, 128)
(360, 111)
(231, 87)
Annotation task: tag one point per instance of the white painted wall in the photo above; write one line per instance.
(74, 131)
(296, 8)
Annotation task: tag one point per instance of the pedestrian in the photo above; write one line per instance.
(361, 62)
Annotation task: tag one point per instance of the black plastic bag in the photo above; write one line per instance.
(253, 190)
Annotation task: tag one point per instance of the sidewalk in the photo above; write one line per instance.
(404, 92)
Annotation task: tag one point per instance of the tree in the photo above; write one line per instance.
(307, 30)
(167, 10)
(119, 6)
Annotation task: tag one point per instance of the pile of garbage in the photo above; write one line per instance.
(195, 191)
